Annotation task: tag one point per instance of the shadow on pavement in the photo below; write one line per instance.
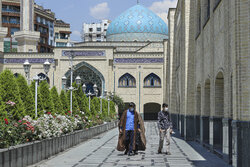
(208, 159)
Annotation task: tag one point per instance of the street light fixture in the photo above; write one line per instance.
(95, 89)
(27, 66)
(46, 66)
(78, 80)
(84, 88)
(64, 81)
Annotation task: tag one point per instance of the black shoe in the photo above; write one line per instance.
(126, 152)
(159, 152)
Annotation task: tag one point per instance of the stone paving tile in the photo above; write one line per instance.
(101, 152)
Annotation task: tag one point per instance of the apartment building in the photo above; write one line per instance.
(95, 32)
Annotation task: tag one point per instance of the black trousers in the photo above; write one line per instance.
(130, 140)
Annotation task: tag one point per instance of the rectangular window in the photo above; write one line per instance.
(98, 29)
(90, 29)
(56, 35)
(13, 30)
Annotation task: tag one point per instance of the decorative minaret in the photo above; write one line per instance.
(27, 38)
(3, 30)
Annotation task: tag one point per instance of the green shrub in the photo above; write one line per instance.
(26, 96)
(46, 97)
(64, 101)
(82, 102)
(3, 112)
(58, 108)
(9, 92)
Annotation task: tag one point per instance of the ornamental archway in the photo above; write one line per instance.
(89, 76)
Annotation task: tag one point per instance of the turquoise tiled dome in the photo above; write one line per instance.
(137, 24)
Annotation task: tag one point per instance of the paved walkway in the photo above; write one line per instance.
(100, 152)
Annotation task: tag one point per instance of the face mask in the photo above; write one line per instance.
(165, 109)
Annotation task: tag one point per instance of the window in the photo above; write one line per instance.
(90, 29)
(56, 35)
(61, 44)
(152, 80)
(98, 29)
(13, 30)
(5, 19)
(38, 19)
(127, 80)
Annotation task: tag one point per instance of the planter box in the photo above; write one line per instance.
(31, 153)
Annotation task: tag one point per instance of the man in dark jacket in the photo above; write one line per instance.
(165, 128)
(132, 132)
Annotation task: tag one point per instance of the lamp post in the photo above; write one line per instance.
(36, 79)
(26, 66)
(89, 94)
(46, 66)
(64, 81)
(78, 80)
(71, 79)
(108, 106)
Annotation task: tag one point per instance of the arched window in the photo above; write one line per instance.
(152, 80)
(127, 80)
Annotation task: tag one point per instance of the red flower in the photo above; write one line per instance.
(6, 121)
(20, 121)
(48, 113)
(69, 112)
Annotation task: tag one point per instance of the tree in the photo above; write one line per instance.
(9, 93)
(112, 109)
(104, 108)
(94, 107)
(58, 108)
(3, 112)
(119, 102)
(39, 99)
(46, 97)
(26, 96)
(82, 101)
(75, 106)
(96, 103)
(64, 101)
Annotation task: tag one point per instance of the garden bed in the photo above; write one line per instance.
(34, 152)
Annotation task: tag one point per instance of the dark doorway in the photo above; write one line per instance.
(151, 111)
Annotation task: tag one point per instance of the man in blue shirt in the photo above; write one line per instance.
(132, 132)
